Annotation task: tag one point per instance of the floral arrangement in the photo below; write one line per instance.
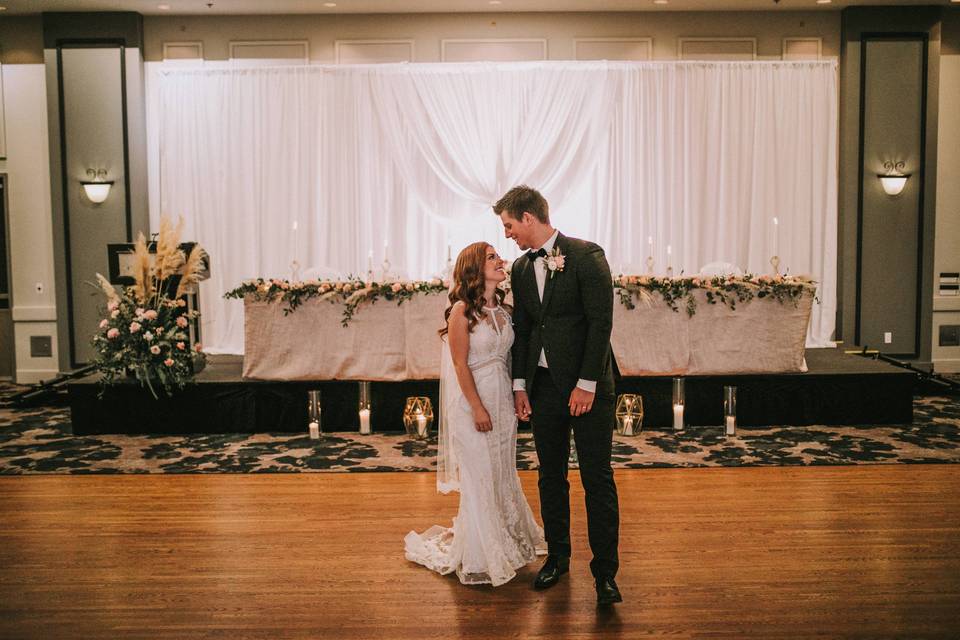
(144, 329)
(352, 293)
(727, 290)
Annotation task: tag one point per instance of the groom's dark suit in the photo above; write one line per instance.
(572, 325)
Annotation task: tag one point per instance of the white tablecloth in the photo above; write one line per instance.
(387, 342)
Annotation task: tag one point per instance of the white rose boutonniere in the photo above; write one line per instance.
(555, 261)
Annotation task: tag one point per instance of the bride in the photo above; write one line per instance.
(494, 532)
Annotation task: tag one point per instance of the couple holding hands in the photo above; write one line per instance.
(556, 342)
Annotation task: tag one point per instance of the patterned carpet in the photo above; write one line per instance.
(39, 440)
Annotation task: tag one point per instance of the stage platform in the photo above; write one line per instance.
(838, 389)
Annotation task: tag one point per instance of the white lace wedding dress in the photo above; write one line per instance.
(494, 532)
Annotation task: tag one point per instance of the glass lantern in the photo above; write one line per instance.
(679, 403)
(418, 417)
(730, 410)
(629, 413)
(313, 413)
(364, 408)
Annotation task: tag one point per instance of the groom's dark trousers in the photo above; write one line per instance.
(571, 325)
(551, 422)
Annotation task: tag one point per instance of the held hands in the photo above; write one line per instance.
(482, 419)
(521, 404)
(581, 401)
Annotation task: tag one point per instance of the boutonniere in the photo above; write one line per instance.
(555, 261)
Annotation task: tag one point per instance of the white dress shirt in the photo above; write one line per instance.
(540, 270)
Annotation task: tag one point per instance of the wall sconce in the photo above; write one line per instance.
(97, 187)
(894, 180)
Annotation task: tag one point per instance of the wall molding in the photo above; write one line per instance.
(169, 47)
(719, 39)
(444, 43)
(44, 313)
(340, 45)
(301, 49)
(614, 40)
(785, 47)
(3, 127)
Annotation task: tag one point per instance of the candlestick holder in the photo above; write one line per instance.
(650, 265)
(385, 270)
(314, 413)
(679, 402)
(294, 271)
(730, 410)
(775, 263)
(418, 417)
(364, 408)
(629, 414)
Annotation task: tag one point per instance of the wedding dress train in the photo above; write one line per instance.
(494, 532)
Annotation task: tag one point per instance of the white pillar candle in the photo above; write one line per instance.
(628, 425)
(370, 261)
(365, 421)
(314, 431)
(678, 417)
(421, 425)
(776, 236)
(731, 423)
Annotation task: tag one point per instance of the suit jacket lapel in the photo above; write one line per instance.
(559, 245)
(529, 276)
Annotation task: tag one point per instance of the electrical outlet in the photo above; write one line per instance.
(887, 337)
(41, 346)
(950, 335)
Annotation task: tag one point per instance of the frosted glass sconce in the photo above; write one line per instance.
(97, 187)
(894, 180)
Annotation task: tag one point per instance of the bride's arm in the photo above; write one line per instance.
(458, 334)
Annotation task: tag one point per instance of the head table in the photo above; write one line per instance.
(387, 341)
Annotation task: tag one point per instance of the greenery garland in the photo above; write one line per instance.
(727, 290)
(351, 293)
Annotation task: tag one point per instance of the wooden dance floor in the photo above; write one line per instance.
(867, 551)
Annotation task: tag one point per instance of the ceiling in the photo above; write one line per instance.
(230, 7)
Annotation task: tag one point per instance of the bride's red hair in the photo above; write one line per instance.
(469, 285)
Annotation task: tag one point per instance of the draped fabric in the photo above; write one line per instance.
(280, 172)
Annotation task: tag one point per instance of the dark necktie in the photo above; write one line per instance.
(533, 255)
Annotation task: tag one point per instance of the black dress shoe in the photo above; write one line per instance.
(553, 568)
(607, 591)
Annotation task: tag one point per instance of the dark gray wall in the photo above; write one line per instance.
(7, 367)
(96, 121)
(92, 137)
(893, 100)
(886, 244)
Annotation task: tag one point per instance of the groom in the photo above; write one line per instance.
(563, 379)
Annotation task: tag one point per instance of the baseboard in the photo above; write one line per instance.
(947, 365)
(34, 376)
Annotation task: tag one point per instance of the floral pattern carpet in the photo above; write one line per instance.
(39, 440)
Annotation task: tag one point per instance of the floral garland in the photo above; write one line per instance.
(727, 290)
(351, 293)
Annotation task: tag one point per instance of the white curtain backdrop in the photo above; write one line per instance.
(326, 165)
